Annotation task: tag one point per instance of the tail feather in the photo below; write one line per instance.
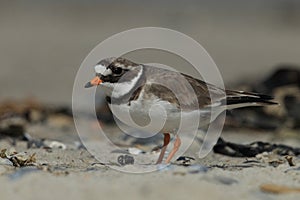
(236, 99)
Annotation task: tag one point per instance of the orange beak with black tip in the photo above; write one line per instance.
(94, 82)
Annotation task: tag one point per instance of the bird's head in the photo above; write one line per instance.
(113, 71)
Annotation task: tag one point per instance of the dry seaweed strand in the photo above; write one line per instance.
(290, 160)
(17, 160)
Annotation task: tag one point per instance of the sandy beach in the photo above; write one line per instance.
(73, 173)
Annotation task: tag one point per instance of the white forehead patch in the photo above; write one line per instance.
(100, 69)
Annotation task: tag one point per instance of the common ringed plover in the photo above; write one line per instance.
(137, 87)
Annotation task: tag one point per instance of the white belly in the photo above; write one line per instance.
(160, 116)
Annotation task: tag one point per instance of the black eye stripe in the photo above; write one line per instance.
(117, 70)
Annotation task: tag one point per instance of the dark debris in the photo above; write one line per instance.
(185, 160)
(284, 85)
(251, 150)
(125, 160)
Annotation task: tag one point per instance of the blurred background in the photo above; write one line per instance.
(255, 44)
(43, 42)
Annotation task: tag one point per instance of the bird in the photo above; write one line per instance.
(137, 87)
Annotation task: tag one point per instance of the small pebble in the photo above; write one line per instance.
(135, 151)
(226, 180)
(55, 145)
(194, 169)
(5, 161)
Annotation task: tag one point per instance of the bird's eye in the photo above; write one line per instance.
(117, 70)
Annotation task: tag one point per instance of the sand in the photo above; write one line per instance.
(73, 173)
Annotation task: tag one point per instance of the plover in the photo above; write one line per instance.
(136, 87)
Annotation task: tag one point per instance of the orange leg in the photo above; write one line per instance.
(177, 144)
(163, 150)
